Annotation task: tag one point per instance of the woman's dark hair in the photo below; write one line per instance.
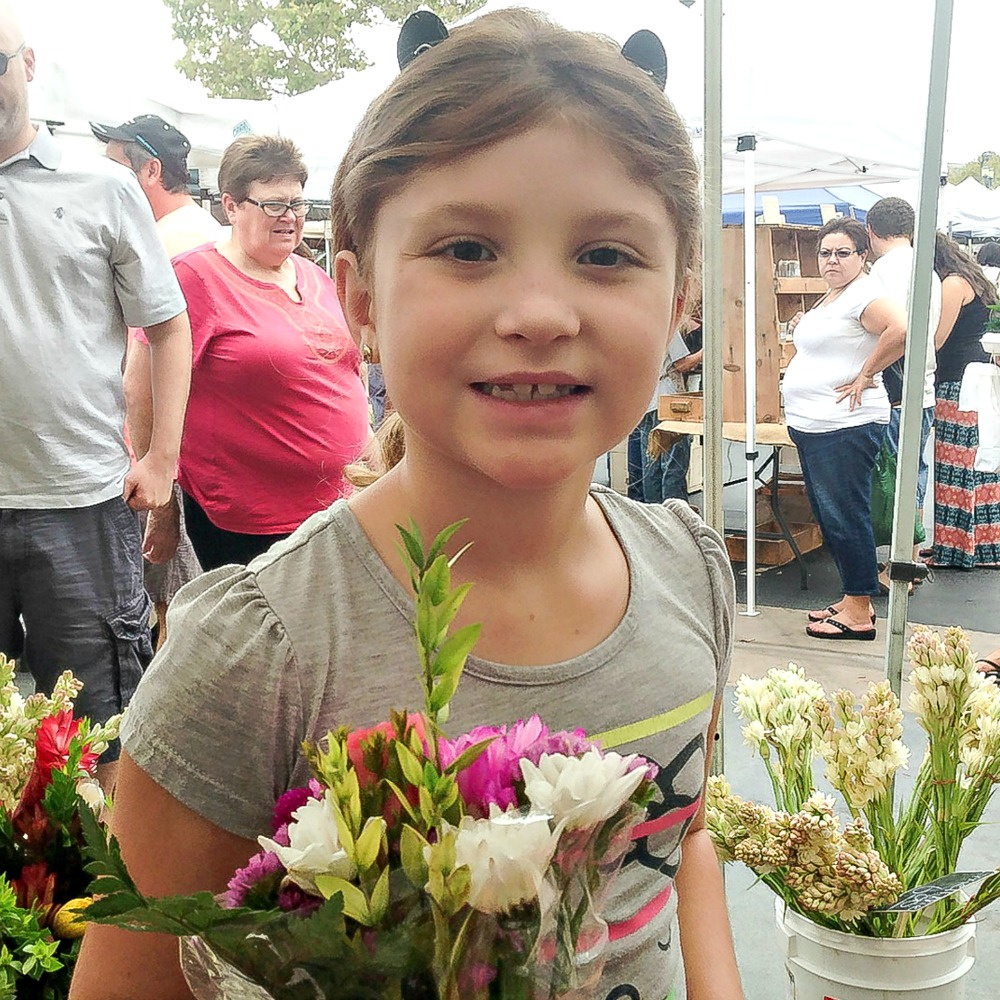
(989, 255)
(950, 258)
(851, 228)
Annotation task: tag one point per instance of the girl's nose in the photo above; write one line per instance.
(540, 313)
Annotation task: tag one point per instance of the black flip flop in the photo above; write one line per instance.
(846, 632)
(826, 617)
(994, 672)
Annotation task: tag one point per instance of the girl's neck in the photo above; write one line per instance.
(508, 527)
(251, 266)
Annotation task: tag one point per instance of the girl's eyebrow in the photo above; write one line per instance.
(478, 211)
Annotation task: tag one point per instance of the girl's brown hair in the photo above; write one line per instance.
(501, 75)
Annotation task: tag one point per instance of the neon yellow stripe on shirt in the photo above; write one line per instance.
(645, 728)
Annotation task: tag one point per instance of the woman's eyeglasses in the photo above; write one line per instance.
(841, 254)
(276, 209)
(5, 59)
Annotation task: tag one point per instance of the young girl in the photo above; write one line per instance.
(516, 220)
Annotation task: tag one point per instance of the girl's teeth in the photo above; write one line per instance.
(524, 392)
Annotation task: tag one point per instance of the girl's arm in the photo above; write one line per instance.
(955, 293)
(706, 938)
(168, 849)
(886, 320)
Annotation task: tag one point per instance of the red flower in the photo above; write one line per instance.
(36, 886)
(359, 738)
(52, 743)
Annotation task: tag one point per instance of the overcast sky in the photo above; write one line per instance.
(862, 62)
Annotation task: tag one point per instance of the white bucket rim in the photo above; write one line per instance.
(926, 944)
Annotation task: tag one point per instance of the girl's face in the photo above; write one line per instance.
(521, 300)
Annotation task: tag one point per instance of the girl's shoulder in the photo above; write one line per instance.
(663, 539)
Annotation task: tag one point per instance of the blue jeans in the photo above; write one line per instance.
(837, 467)
(653, 480)
(926, 423)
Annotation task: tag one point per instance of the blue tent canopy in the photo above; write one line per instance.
(802, 207)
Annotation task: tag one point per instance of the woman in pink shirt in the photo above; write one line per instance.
(277, 405)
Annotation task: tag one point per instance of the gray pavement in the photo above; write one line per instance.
(773, 638)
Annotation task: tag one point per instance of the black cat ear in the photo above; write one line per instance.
(645, 50)
(421, 31)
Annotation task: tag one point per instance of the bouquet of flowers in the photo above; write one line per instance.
(47, 762)
(413, 865)
(891, 870)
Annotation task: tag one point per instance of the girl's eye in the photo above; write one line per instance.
(604, 257)
(469, 251)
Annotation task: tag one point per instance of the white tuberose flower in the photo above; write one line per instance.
(581, 792)
(507, 856)
(314, 847)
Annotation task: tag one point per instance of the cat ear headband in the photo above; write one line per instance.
(423, 30)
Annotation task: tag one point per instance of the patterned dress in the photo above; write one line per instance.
(966, 502)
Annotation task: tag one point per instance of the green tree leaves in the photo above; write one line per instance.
(258, 48)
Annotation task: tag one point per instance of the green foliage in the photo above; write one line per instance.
(258, 48)
(31, 965)
(974, 168)
(442, 657)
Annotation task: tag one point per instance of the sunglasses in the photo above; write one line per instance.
(276, 209)
(841, 254)
(5, 59)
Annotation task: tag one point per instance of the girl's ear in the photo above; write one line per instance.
(355, 298)
(680, 300)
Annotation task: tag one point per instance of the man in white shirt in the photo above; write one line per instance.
(79, 261)
(890, 224)
(156, 152)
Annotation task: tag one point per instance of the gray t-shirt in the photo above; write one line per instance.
(79, 259)
(316, 633)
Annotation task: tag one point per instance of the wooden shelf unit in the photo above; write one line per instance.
(778, 300)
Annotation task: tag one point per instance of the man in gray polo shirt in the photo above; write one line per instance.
(79, 260)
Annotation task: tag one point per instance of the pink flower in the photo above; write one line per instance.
(261, 866)
(495, 776)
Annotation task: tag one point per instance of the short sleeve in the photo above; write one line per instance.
(217, 719)
(200, 303)
(145, 284)
(722, 586)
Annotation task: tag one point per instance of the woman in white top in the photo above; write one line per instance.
(837, 411)
(988, 259)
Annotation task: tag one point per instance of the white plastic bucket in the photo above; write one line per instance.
(825, 964)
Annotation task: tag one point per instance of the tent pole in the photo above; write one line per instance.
(712, 270)
(746, 144)
(711, 292)
(904, 514)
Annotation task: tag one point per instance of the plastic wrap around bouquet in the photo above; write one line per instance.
(414, 866)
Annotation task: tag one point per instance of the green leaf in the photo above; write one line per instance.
(411, 847)
(443, 538)
(413, 550)
(380, 898)
(462, 761)
(355, 902)
(370, 842)
(437, 580)
(412, 767)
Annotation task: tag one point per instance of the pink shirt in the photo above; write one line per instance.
(277, 406)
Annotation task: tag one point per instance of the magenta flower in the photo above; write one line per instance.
(261, 866)
(495, 776)
(292, 800)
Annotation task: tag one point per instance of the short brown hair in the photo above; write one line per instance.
(258, 158)
(851, 228)
(497, 77)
